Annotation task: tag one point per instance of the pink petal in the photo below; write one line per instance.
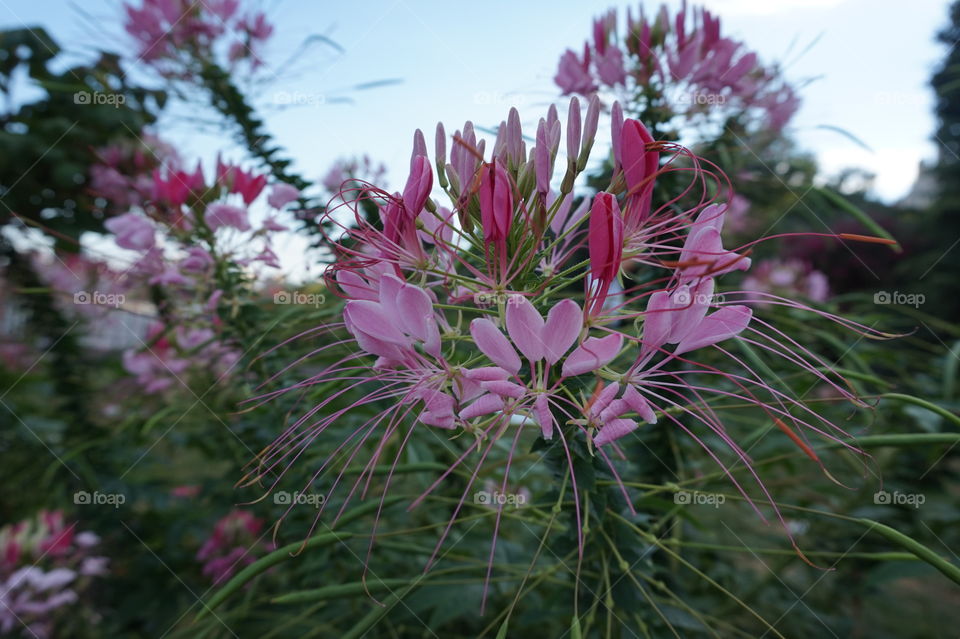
(390, 286)
(505, 389)
(691, 307)
(614, 430)
(486, 374)
(657, 322)
(561, 329)
(604, 398)
(494, 345)
(370, 318)
(483, 406)
(723, 324)
(638, 162)
(437, 401)
(639, 405)
(419, 184)
(439, 420)
(541, 408)
(616, 408)
(592, 354)
(386, 350)
(431, 343)
(525, 326)
(711, 217)
(415, 311)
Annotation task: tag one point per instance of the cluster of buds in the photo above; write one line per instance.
(520, 308)
(46, 569)
(190, 236)
(174, 35)
(235, 543)
(681, 63)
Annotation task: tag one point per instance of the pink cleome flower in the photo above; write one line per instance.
(485, 317)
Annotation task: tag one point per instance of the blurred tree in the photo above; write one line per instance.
(942, 259)
(49, 142)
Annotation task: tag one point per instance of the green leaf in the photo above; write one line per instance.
(338, 591)
(378, 613)
(264, 563)
(910, 399)
(951, 571)
(575, 631)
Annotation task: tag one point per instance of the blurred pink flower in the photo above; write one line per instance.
(132, 231)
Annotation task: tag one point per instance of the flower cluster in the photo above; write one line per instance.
(83, 287)
(192, 237)
(123, 173)
(235, 543)
(46, 569)
(788, 278)
(521, 307)
(680, 64)
(172, 35)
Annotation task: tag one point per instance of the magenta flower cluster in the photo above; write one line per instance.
(236, 542)
(46, 570)
(173, 36)
(681, 63)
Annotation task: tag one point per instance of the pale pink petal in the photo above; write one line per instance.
(415, 311)
(437, 401)
(390, 286)
(386, 350)
(691, 307)
(370, 318)
(494, 345)
(639, 405)
(356, 287)
(439, 420)
(657, 322)
(525, 326)
(561, 329)
(615, 409)
(505, 389)
(614, 430)
(604, 398)
(483, 406)
(592, 354)
(723, 324)
(431, 343)
(541, 408)
(486, 374)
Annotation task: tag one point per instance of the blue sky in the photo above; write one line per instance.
(868, 67)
